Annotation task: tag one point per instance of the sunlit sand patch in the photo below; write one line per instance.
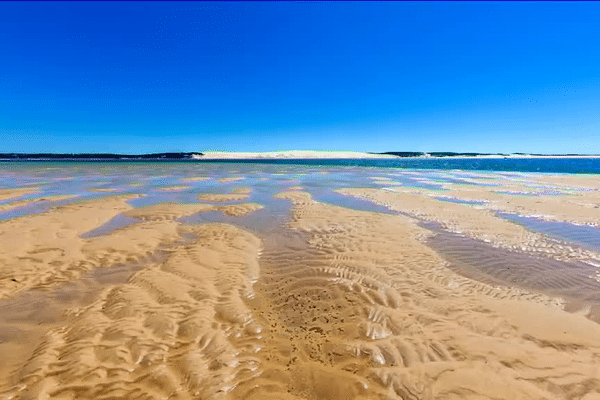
(477, 222)
(236, 210)
(367, 311)
(230, 179)
(104, 190)
(195, 179)
(582, 181)
(45, 249)
(22, 203)
(176, 188)
(181, 325)
(216, 197)
(167, 211)
(173, 211)
(7, 194)
(578, 207)
(345, 305)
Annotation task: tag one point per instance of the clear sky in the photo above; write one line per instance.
(407, 76)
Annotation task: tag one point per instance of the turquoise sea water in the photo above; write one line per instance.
(556, 165)
(542, 165)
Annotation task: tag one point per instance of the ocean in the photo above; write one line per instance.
(541, 165)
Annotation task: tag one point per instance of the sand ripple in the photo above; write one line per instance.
(367, 311)
(339, 304)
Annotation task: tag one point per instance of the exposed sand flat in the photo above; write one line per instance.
(172, 211)
(582, 207)
(101, 190)
(583, 181)
(22, 203)
(196, 179)
(167, 211)
(367, 311)
(178, 329)
(6, 194)
(476, 222)
(43, 249)
(175, 188)
(222, 197)
(236, 210)
(231, 179)
(328, 303)
(299, 154)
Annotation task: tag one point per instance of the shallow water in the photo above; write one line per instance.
(460, 201)
(308, 292)
(580, 235)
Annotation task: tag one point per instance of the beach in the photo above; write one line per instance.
(259, 281)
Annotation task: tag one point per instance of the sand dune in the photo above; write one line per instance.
(300, 154)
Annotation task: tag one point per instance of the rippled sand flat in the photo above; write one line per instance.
(339, 287)
(6, 194)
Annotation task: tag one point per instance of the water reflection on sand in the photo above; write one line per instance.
(183, 280)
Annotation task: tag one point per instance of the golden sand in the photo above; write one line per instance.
(580, 202)
(107, 190)
(22, 203)
(338, 304)
(195, 179)
(6, 194)
(230, 179)
(217, 198)
(175, 188)
(477, 222)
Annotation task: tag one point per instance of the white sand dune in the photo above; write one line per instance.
(299, 154)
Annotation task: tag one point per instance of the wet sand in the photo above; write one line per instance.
(379, 291)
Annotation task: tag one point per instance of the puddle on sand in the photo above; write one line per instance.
(581, 235)
(118, 222)
(354, 203)
(573, 281)
(263, 222)
(461, 201)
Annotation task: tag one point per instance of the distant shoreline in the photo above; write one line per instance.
(278, 155)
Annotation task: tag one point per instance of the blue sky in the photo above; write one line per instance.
(408, 76)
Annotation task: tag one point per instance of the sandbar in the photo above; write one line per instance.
(333, 303)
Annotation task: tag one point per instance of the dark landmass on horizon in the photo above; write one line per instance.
(197, 156)
(96, 156)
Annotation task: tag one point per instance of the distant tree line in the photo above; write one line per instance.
(96, 156)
